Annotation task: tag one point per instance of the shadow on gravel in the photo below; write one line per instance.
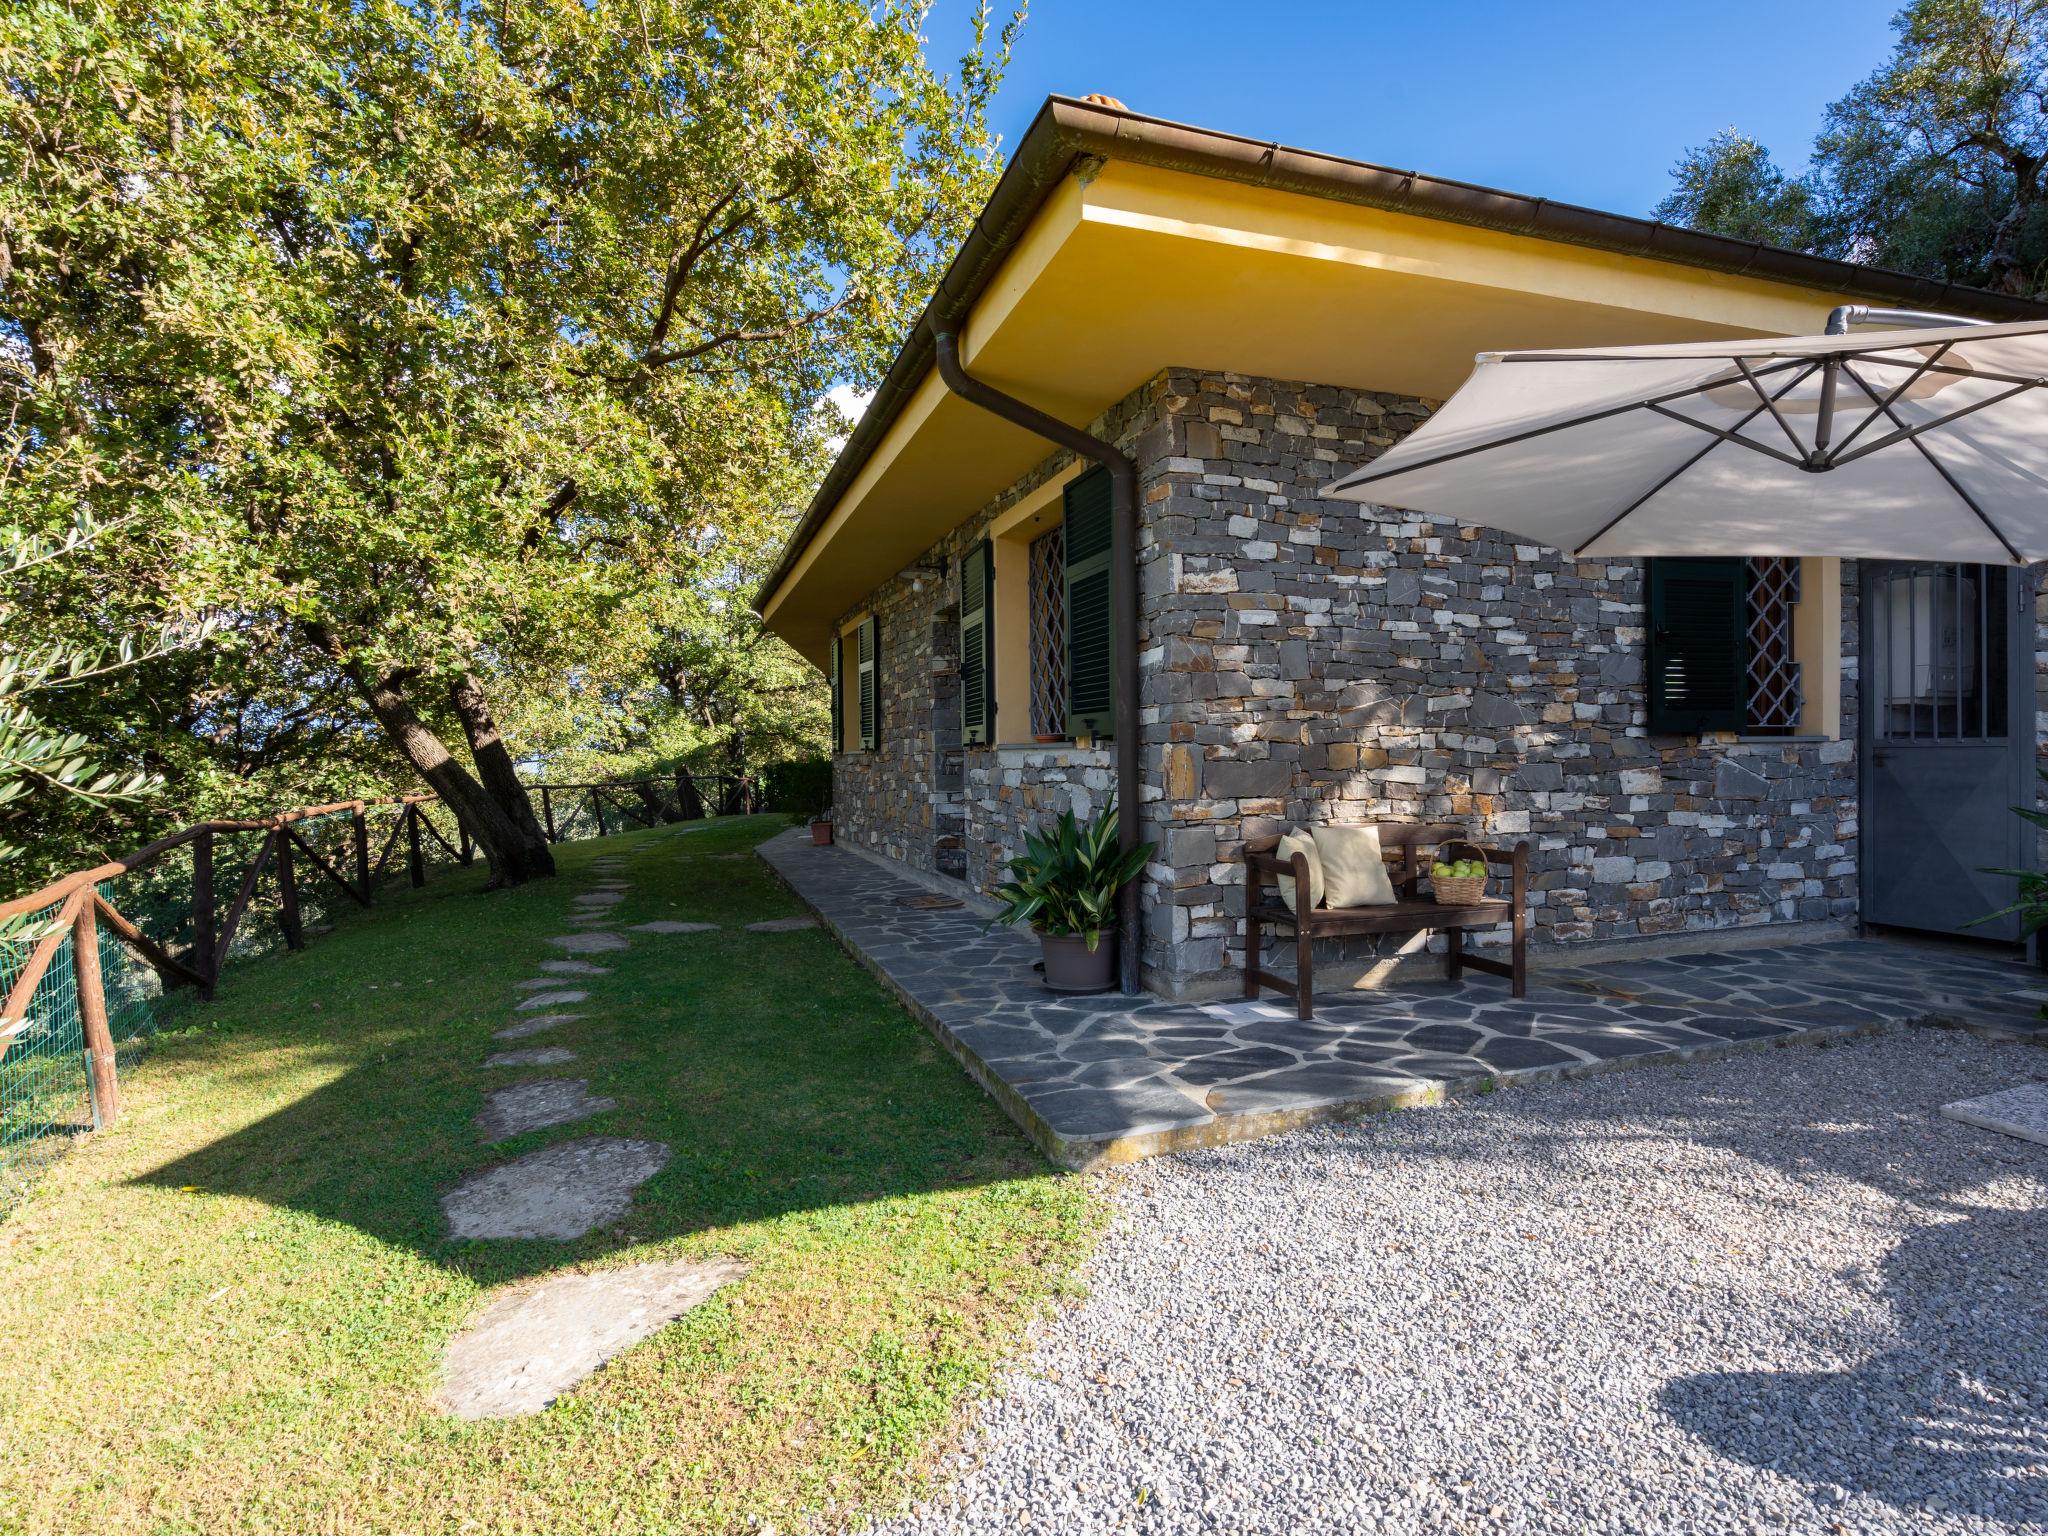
(1951, 1414)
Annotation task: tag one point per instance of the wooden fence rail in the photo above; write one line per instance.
(80, 907)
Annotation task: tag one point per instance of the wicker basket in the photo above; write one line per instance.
(1458, 890)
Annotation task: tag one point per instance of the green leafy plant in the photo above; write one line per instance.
(1065, 882)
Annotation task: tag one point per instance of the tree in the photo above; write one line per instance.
(1932, 165)
(1731, 186)
(431, 333)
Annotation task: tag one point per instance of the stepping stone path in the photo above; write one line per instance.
(525, 1029)
(570, 968)
(552, 999)
(2021, 1112)
(588, 943)
(538, 1340)
(535, 1106)
(559, 1192)
(783, 925)
(545, 1056)
(666, 926)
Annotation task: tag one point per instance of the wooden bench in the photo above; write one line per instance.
(1405, 846)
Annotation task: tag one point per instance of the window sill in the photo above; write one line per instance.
(1051, 751)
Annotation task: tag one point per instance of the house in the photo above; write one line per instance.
(1240, 323)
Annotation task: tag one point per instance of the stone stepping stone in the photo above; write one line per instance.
(553, 999)
(558, 1192)
(545, 1056)
(783, 925)
(2021, 1112)
(541, 983)
(538, 1340)
(666, 925)
(526, 1107)
(587, 943)
(527, 1028)
(572, 968)
(600, 898)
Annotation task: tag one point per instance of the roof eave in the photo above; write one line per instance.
(1066, 130)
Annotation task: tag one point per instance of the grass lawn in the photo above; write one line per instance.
(228, 1313)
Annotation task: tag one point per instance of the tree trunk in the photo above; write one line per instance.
(500, 778)
(475, 809)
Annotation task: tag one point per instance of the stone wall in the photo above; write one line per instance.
(1314, 660)
(921, 797)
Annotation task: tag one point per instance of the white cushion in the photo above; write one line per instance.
(1354, 873)
(1295, 842)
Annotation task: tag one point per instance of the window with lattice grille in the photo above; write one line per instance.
(1049, 634)
(1776, 698)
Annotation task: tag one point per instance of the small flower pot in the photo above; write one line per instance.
(1070, 966)
(821, 833)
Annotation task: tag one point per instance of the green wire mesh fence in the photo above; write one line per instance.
(85, 962)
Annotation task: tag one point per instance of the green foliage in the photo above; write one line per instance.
(1065, 882)
(434, 339)
(2031, 907)
(1932, 165)
(800, 787)
(1730, 186)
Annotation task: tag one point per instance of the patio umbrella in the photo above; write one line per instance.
(1914, 445)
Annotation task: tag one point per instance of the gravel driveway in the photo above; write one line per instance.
(1777, 1293)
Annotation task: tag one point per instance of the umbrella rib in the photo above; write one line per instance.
(1366, 477)
(1905, 432)
(1776, 415)
(1719, 437)
(1942, 470)
(1734, 434)
(1889, 400)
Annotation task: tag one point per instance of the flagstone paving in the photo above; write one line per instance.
(526, 1029)
(2021, 1111)
(665, 926)
(783, 925)
(559, 1192)
(536, 1341)
(544, 1056)
(1109, 1078)
(535, 1106)
(588, 943)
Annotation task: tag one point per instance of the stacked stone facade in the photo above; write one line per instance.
(1310, 660)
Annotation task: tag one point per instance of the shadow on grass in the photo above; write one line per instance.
(778, 1073)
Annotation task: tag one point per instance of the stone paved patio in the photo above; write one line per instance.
(1111, 1079)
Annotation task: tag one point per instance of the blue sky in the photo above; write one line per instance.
(1590, 103)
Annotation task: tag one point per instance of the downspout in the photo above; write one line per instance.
(1123, 572)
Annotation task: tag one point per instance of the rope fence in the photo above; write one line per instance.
(86, 960)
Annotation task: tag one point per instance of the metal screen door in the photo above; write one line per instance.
(1947, 742)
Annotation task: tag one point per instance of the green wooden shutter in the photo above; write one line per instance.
(869, 648)
(1091, 671)
(838, 694)
(1697, 613)
(977, 645)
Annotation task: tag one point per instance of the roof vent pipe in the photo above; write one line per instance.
(1846, 315)
(1123, 581)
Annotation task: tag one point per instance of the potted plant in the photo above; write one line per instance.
(1064, 885)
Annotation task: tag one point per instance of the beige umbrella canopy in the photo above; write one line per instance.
(1912, 445)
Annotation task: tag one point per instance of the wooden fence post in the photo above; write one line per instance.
(202, 912)
(597, 805)
(288, 894)
(415, 863)
(547, 810)
(359, 825)
(92, 1014)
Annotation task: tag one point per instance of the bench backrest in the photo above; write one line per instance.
(1402, 844)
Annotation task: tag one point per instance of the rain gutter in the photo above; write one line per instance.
(1066, 131)
(1123, 605)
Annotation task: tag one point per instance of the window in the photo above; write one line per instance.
(1747, 646)
(1091, 679)
(1048, 655)
(977, 645)
(838, 692)
(1939, 644)
(867, 650)
(1777, 699)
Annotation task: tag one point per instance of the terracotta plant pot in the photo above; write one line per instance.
(1071, 967)
(821, 833)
